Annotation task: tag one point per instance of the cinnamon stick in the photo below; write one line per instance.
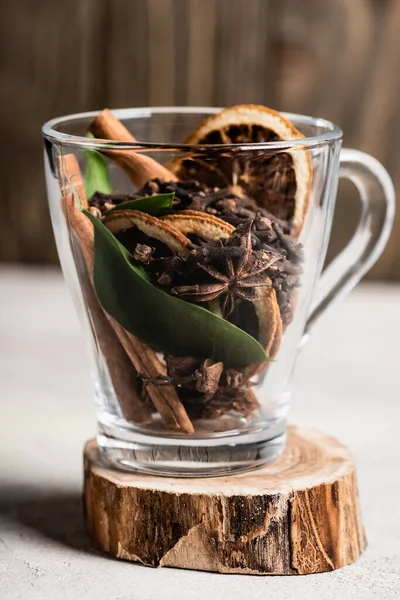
(71, 178)
(164, 397)
(139, 167)
(142, 358)
(122, 373)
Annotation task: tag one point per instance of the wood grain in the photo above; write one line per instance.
(37, 61)
(201, 52)
(161, 31)
(126, 65)
(336, 59)
(298, 515)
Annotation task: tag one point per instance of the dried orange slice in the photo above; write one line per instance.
(119, 220)
(201, 224)
(279, 181)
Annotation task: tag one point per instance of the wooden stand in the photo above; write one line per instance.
(298, 515)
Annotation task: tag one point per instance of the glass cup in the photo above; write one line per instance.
(192, 348)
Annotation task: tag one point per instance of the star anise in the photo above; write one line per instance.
(235, 270)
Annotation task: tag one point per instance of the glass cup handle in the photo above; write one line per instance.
(377, 211)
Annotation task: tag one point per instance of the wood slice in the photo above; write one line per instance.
(298, 515)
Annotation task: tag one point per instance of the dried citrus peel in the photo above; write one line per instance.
(280, 181)
(201, 224)
(119, 220)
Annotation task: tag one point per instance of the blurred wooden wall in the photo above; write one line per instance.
(333, 58)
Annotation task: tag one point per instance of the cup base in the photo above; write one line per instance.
(197, 457)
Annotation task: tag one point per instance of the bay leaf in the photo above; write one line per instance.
(97, 176)
(157, 205)
(167, 324)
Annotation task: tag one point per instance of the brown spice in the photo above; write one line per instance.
(242, 272)
(187, 371)
(142, 253)
(139, 167)
(208, 390)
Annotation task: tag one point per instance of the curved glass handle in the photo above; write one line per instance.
(377, 211)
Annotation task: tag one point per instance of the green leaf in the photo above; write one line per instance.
(97, 176)
(157, 205)
(165, 323)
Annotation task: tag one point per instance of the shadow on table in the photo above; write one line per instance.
(54, 514)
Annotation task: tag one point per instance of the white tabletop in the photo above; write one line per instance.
(347, 383)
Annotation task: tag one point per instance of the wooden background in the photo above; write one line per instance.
(334, 58)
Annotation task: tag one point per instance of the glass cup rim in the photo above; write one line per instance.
(333, 132)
